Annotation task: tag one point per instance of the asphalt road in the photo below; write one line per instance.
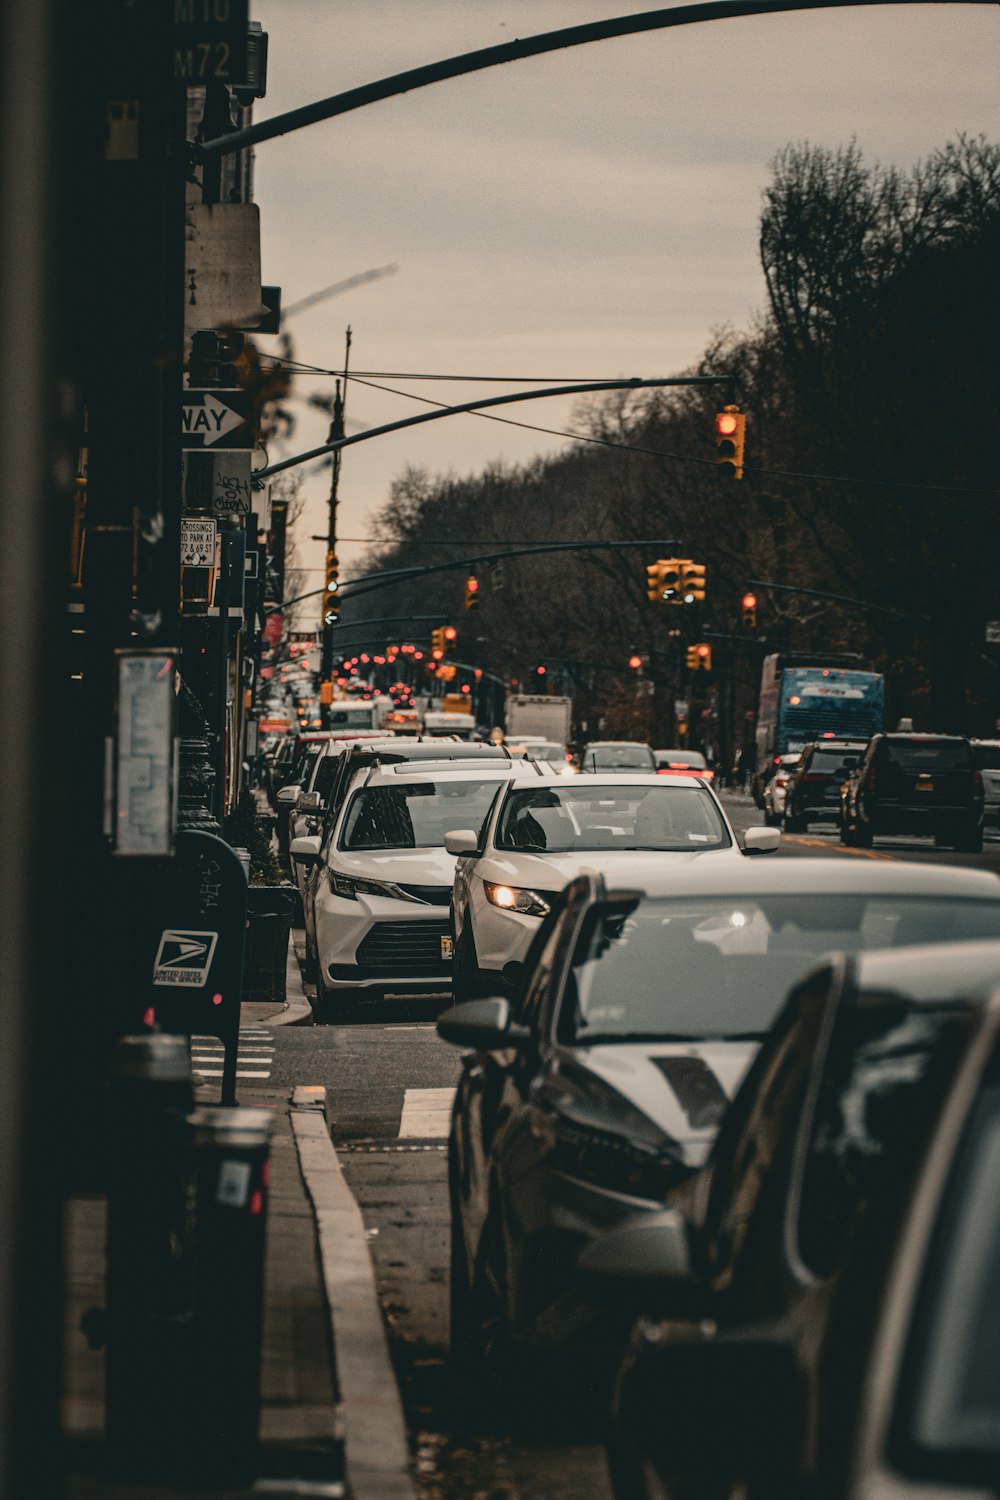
(389, 1081)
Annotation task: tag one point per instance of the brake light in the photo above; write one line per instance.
(977, 782)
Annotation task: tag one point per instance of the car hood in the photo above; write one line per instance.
(681, 1088)
(409, 866)
(620, 867)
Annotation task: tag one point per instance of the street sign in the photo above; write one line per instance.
(231, 492)
(209, 41)
(197, 543)
(993, 632)
(218, 419)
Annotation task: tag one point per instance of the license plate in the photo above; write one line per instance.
(447, 947)
(925, 786)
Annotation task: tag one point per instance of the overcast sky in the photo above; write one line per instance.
(588, 214)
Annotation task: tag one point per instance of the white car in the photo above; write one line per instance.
(633, 831)
(380, 906)
(777, 789)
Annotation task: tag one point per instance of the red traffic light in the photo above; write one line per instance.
(703, 650)
(437, 653)
(726, 423)
(472, 584)
(450, 632)
(635, 662)
(749, 601)
(540, 671)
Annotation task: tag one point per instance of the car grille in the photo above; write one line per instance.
(434, 895)
(405, 947)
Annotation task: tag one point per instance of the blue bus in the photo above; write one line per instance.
(806, 698)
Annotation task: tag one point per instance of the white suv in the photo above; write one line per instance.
(380, 905)
(633, 830)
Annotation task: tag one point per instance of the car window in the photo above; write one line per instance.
(540, 969)
(576, 816)
(986, 757)
(879, 1078)
(927, 755)
(950, 1412)
(414, 815)
(616, 757)
(704, 967)
(831, 761)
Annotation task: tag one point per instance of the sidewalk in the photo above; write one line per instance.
(331, 1423)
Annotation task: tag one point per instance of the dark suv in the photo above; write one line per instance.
(814, 786)
(915, 783)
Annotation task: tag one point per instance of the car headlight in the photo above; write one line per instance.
(516, 898)
(351, 887)
(611, 1162)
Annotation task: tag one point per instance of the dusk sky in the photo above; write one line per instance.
(589, 214)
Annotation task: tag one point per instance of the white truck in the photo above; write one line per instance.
(440, 723)
(530, 713)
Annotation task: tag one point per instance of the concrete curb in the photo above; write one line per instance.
(376, 1451)
(297, 1011)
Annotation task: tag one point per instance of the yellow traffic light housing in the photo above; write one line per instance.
(692, 658)
(692, 582)
(704, 654)
(654, 582)
(331, 607)
(438, 643)
(730, 431)
(749, 609)
(472, 592)
(663, 581)
(450, 636)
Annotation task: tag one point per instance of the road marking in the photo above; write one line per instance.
(240, 1073)
(798, 838)
(254, 1054)
(426, 1113)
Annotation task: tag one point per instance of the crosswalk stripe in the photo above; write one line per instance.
(240, 1073)
(426, 1113)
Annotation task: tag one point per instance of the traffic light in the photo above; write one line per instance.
(692, 658)
(450, 637)
(472, 592)
(749, 607)
(331, 599)
(699, 657)
(438, 644)
(730, 425)
(692, 582)
(635, 661)
(663, 581)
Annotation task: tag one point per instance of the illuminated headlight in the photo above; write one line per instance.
(516, 898)
(351, 888)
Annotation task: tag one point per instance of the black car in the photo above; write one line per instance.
(600, 1087)
(915, 783)
(743, 1371)
(813, 792)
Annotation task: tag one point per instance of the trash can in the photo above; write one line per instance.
(230, 1150)
(149, 1291)
(269, 922)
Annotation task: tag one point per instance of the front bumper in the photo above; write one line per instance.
(377, 943)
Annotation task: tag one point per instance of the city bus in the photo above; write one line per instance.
(815, 697)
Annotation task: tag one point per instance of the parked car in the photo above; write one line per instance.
(378, 902)
(915, 783)
(986, 758)
(682, 763)
(601, 1086)
(630, 830)
(812, 793)
(775, 787)
(777, 1309)
(617, 755)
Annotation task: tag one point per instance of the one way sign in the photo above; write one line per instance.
(217, 419)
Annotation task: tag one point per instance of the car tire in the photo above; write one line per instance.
(970, 840)
(310, 966)
(466, 975)
(332, 1006)
(792, 824)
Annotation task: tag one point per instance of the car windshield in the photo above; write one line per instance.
(929, 755)
(986, 757)
(615, 757)
(681, 758)
(830, 761)
(721, 966)
(414, 815)
(546, 752)
(555, 819)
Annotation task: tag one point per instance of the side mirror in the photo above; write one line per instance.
(461, 841)
(305, 850)
(651, 1248)
(309, 802)
(755, 840)
(484, 1025)
(289, 794)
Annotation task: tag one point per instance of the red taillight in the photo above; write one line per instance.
(977, 782)
(813, 776)
(781, 781)
(870, 779)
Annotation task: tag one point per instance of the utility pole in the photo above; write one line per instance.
(332, 561)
